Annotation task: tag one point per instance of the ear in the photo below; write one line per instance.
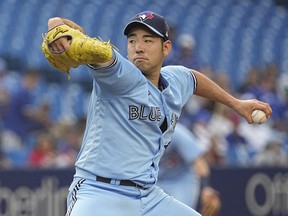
(167, 45)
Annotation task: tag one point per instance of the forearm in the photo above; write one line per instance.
(201, 167)
(210, 90)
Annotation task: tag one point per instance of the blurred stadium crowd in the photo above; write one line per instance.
(42, 114)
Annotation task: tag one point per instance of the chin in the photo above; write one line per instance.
(139, 66)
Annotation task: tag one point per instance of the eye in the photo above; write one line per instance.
(131, 41)
(148, 41)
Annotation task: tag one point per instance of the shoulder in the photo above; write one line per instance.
(172, 69)
(179, 74)
(177, 71)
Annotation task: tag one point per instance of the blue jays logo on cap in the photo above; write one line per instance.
(146, 15)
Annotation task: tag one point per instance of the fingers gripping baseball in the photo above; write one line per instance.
(260, 109)
(246, 107)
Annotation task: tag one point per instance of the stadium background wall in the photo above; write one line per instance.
(244, 192)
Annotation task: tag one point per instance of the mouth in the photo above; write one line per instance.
(139, 59)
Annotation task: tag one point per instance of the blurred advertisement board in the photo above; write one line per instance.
(244, 191)
(252, 191)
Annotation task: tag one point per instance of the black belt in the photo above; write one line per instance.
(121, 182)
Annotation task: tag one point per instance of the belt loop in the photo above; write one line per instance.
(115, 181)
(119, 182)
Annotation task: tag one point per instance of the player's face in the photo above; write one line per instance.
(146, 50)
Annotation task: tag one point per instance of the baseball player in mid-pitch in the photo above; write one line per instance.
(134, 108)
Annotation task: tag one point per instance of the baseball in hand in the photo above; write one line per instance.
(259, 117)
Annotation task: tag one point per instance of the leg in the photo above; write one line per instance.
(186, 188)
(88, 198)
(159, 203)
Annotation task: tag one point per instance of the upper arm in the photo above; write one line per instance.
(118, 77)
(182, 79)
(207, 88)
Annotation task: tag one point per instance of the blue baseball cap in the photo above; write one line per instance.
(153, 21)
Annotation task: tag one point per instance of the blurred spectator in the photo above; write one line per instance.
(21, 119)
(211, 142)
(4, 101)
(256, 135)
(272, 155)
(44, 153)
(199, 123)
(69, 139)
(4, 92)
(220, 125)
(281, 121)
(216, 155)
(261, 85)
(238, 150)
(21, 116)
(5, 163)
(183, 49)
(250, 86)
(184, 52)
(269, 87)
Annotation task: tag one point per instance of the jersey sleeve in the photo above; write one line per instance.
(118, 78)
(183, 80)
(186, 144)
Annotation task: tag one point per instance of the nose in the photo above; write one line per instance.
(139, 47)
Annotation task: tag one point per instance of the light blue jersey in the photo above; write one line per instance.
(130, 121)
(177, 176)
(180, 155)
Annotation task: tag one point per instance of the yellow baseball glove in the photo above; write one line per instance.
(210, 202)
(82, 50)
